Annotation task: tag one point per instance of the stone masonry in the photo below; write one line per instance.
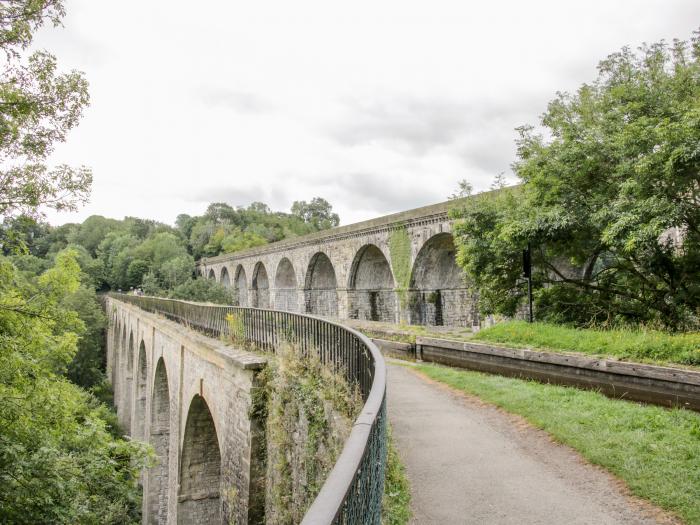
(353, 272)
(189, 396)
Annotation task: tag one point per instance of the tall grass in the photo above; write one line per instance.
(636, 345)
(656, 451)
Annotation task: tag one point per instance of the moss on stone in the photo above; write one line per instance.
(400, 251)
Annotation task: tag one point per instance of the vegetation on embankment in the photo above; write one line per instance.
(634, 345)
(655, 451)
(397, 491)
(308, 413)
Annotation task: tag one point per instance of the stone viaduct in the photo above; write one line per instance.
(397, 268)
(189, 396)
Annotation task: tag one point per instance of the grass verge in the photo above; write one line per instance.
(397, 491)
(656, 451)
(635, 345)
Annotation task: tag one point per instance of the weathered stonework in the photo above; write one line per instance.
(190, 397)
(349, 272)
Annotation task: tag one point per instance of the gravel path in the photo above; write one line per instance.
(469, 462)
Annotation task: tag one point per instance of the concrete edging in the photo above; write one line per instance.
(659, 385)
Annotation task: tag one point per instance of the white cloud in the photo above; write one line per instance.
(375, 106)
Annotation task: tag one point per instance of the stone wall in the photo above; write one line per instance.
(190, 397)
(351, 272)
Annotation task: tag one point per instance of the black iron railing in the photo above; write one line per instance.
(352, 493)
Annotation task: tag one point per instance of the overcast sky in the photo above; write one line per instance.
(377, 106)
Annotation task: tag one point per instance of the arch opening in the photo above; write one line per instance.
(286, 287)
(371, 291)
(128, 384)
(212, 274)
(199, 498)
(261, 287)
(240, 288)
(438, 294)
(140, 399)
(225, 279)
(321, 287)
(157, 497)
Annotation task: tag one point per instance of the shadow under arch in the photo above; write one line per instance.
(438, 293)
(199, 498)
(286, 287)
(139, 432)
(321, 287)
(158, 475)
(260, 286)
(225, 279)
(240, 287)
(371, 288)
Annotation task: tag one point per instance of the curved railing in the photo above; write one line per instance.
(353, 490)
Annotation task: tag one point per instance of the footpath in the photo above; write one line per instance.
(471, 463)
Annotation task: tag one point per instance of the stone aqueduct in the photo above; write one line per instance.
(397, 268)
(189, 396)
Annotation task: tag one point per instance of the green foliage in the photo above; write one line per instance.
(599, 199)
(203, 291)
(654, 450)
(396, 501)
(635, 345)
(318, 213)
(39, 106)
(87, 367)
(59, 459)
(400, 251)
(304, 399)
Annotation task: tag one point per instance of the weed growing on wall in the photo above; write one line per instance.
(236, 327)
(309, 413)
(400, 251)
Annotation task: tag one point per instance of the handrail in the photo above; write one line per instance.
(352, 492)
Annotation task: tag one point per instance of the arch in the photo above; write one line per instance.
(116, 372)
(240, 287)
(199, 498)
(140, 399)
(128, 384)
(260, 287)
(286, 287)
(225, 279)
(371, 288)
(321, 287)
(212, 274)
(158, 475)
(438, 295)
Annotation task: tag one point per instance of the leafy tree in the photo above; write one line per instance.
(203, 290)
(135, 272)
(318, 212)
(610, 201)
(38, 107)
(59, 459)
(92, 231)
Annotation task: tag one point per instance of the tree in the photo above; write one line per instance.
(610, 202)
(38, 106)
(60, 461)
(318, 213)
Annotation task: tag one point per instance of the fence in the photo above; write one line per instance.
(352, 493)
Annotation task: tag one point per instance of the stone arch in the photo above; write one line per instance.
(128, 384)
(140, 398)
(212, 274)
(158, 475)
(371, 292)
(321, 287)
(286, 286)
(260, 286)
(225, 279)
(240, 287)
(199, 498)
(438, 293)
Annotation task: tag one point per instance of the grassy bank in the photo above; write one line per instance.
(633, 345)
(656, 451)
(397, 491)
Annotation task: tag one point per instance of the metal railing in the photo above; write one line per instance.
(352, 493)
